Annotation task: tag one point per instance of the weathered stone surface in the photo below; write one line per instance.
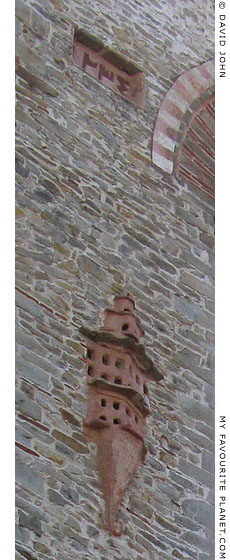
(94, 216)
(187, 359)
(198, 285)
(25, 552)
(28, 305)
(69, 417)
(31, 522)
(29, 508)
(197, 474)
(171, 492)
(27, 406)
(27, 476)
(200, 542)
(140, 506)
(77, 541)
(150, 542)
(205, 515)
(182, 481)
(21, 534)
(186, 522)
(167, 525)
(202, 441)
(168, 458)
(70, 442)
(196, 409)
(56, 498)
(194, 313)
(65, 450)
(49, 453)
(210, 396)
(208, 461)
(70, 494)
(33, 373)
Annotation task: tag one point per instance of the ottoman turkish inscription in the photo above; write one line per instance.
(130, 86)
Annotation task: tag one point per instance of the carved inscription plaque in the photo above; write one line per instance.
(131, 87)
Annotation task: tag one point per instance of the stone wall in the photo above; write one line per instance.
(94, 217)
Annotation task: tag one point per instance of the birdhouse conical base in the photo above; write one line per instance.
(119, 454)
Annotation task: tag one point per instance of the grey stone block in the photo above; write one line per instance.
(198, 285)
(79, 542)
(23, 11)
(187, 359)
(196, 409)
(33, 373)
(201, 441)
(28, 305)
(197, 474)
(208, 461)
(205, 515)
(140, 506)
(26, 552)
(199, 542)
(171, 492)
(56, 498)
(70, 494)
(210, 396)
(172, 528)
(22, 436)
(27, 406)
(187, 523)
(21, 534)
(149, 542)
(31, 522)
(64, 449)
(29, 508)
(208, 431)
(194, 313)
(184, 482)
(26, 476)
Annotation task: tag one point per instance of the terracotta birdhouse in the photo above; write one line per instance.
(118, 370)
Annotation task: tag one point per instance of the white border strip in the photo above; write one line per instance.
(7, 281)
(222, 387)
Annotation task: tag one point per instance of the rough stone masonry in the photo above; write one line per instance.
(95, 217)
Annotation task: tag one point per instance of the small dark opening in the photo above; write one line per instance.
(103, 402)
(118, 381)
(105, 359)
(116, 421)
(90, 354)
(136, 419)
(145, 389)
(126, 309)
(90, 371)
(125, 327)
(119, 364)
(138, 379)
(102, 418)
(116, 405)
(127, 411)
(104, 376)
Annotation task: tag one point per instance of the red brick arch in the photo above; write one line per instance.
(181, 98)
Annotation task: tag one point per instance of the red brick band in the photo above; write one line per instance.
(185, 90)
